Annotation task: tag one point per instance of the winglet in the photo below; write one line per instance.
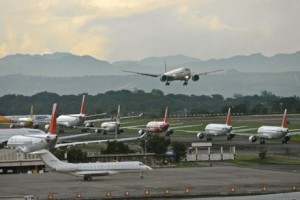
(284, 120)
(166, 115)
(82, 110)
(52, 129)
(228, 117)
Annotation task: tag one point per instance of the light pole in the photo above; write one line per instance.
(145, 151)
(281, 107)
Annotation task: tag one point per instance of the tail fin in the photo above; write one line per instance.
(31, 112)
(118, 115)
(228, 117)
(52, 128)
(48, 158)
(82, 110)
(284, 120)
(166, 115)
(165, 66)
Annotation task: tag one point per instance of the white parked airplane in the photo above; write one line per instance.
(74, 120)
(272, 132)
(88, 170)
(113, 126)
(182, 74)
(212, 130)
(40, 140)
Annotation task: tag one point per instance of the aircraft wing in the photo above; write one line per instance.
(205, 73)
(111, 119)
(95, 173)
(144, 74)
(99, 141)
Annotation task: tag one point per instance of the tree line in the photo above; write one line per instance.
(152, 103)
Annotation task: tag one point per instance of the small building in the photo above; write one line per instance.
(200, 151)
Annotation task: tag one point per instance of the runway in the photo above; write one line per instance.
(218, 180)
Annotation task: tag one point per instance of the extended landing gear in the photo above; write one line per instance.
(185, 83)
(168, 83)
(262, 141)
(142, 175)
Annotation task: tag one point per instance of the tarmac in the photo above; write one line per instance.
(217, 180)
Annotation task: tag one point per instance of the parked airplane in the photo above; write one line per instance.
(272, 132)
(24, 121)
(74, 120)
(182, 74)
(40, 140)
(113, 126)
(88, 170)
(155, 127)
(212, 130)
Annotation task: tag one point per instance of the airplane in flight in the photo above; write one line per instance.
(181, 74)
(41, 140)
(74, 120)
(25, 121)
(272, 132)
(212, 130)
(89, 170)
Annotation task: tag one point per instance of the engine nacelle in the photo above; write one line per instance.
(141, 132)
(163, 78)
(200, 135)
(88, 125)
(120, 131)
(252, 138)
(12, 126)
(97, 130)
(47, 126)
(287, 138)
(195, 77)
(170, 131)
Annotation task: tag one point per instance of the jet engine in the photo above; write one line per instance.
(169, 132)
(141, 132)
(200, 135)
(97, 130)
(12, 126)
(163, 78)
(89, 125)
(252, 138)
(120, 131)
(195, 77)
(47, 126)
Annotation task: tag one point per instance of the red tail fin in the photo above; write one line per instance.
(284, 120)
(228, 117)
(166, 115)
(52, 129)
(82, 111)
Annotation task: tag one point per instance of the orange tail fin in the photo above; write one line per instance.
(284, 120)
(166, 115)
(52, 129)
(228, 117)
(82, 110)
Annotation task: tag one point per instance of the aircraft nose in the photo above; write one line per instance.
(148, 168)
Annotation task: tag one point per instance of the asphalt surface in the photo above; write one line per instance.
(216, 181)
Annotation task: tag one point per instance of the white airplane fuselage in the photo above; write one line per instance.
(157, 127)
(218, 129)
(273, 131)
(70, 121)
(5, 134)
(182, 73)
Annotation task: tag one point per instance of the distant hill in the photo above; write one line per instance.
(69, 65)
(227, 84)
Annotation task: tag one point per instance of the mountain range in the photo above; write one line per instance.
(65, 73)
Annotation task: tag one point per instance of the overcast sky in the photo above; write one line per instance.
(115, 30)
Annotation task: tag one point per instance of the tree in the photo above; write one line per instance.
(156, 144)
(179, 149)
(116, 148)
(76, 155)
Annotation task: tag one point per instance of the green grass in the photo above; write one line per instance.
(255, 161)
